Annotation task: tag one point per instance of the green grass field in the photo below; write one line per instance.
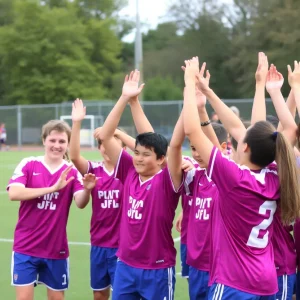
(78, 231)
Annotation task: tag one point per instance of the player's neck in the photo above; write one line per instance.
(52, 164)
(145, 177)
(108, 166)
(252, 166)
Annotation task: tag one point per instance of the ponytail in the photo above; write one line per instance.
(288, 173)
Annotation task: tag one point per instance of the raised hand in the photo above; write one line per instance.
(262, 68)
(191, 70)
(274, 80)
(200, 97)
(63, 181)
(89, 181)
(294, 76)
(78, 110)
(131, 87)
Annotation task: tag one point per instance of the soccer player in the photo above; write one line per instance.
(45, 187)
(106, 209)
(146, 250)
(204, 192)
(3, 137)
(282, 240)
(242, 262)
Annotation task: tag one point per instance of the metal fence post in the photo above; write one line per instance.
(19, 122)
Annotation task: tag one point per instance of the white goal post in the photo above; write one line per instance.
(86, 134)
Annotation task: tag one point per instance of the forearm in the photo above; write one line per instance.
(190, 112)
(178, 134)
(141, 122)
(112, 121)
(208, 129)
(82, 198)
(126, 139)
(75, 141)
(286, 119)
(296, 94)
(291, 104)
(231, 122)
(259, 104)
(19, 193)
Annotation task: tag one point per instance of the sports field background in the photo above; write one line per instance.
(78, 231)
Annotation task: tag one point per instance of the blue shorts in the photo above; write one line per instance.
(198, 284)
(27, 270)
(134, 283)
(298, 286)
(286, 284)
(184, 266)
(103, 263)
(222, 292)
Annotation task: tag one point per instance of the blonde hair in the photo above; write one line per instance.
(59, 126)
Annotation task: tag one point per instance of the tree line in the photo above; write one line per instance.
(57, 50)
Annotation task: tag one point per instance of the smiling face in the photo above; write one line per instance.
(145, 161)
(56, 145)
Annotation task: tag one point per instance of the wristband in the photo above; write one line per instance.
(205, 123)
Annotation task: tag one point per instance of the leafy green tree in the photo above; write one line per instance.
(162, 88)
(46, 55)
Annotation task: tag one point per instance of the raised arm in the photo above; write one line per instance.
(141, 122)
(259, 103)
(126, 139)
(273, 85)
(201, 103)
(231, 122)
(78, 114)
(191, 120)
(130, 90)
(175, 153)
(291, 104)
(294, 81)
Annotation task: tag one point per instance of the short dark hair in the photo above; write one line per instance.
(273, 120)
(154, 141)
(220, 132)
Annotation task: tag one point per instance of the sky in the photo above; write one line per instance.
(152, 12)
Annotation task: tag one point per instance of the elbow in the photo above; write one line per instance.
(81, 205)
(12, 196)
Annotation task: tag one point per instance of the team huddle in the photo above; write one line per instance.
(240, 209)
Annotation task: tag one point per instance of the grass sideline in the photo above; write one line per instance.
(78, 231)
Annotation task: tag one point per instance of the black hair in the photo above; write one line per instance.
(220, 132)
(273, 120)
(154, 141)
(262, 142)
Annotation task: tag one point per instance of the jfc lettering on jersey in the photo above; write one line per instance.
(204, 205)
(109, 198)
(133, 211)
(47, 201)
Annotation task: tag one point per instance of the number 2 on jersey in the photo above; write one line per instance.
(261, 242)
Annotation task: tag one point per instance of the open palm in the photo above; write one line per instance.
(131, 87)
(89, 181)
(274, 79)
(294, 76)
(78, 110)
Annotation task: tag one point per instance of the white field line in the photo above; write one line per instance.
(71, 243)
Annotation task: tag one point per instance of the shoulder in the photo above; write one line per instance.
(96, 165)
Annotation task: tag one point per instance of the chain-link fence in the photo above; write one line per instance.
(24, 122)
